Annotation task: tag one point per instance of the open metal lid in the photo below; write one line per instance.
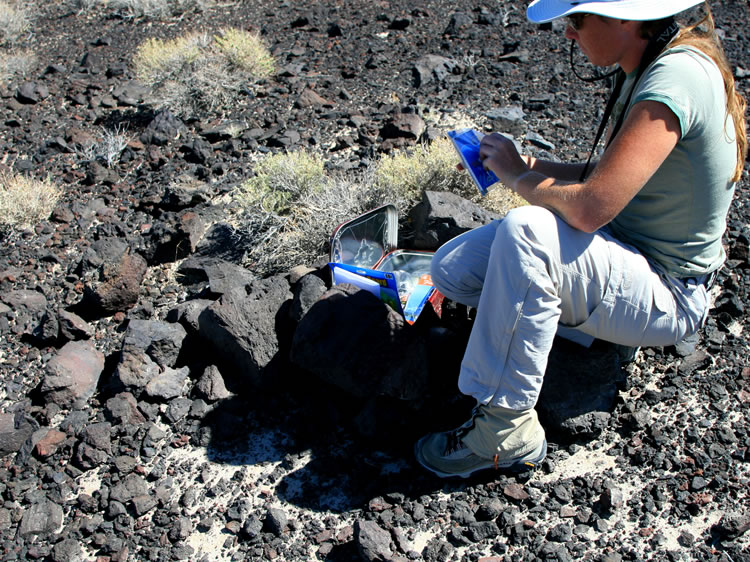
(364, 241)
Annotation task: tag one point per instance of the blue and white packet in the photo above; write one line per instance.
(467, 142)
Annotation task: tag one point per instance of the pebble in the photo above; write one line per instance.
(119, 470)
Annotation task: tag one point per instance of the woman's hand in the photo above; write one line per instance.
(650, 132)
(499, 155)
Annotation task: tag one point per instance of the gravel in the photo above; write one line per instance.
(188, 468)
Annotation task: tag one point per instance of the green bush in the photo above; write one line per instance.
(157, 61)
(25, 201)
(245, 52)
(406, 175)
(288, 210)
(198, 73)
(282, 180)
(409, 173)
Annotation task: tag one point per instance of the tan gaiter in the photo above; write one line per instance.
(504, 432)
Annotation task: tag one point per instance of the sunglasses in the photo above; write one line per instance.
(576, 20)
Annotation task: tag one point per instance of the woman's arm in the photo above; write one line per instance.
(648, 135)
(565, 171)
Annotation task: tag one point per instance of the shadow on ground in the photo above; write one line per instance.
(323, 450)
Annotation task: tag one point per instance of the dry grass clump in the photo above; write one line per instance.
(108, 148)
(153, 9)
(289, 209)
(14, 22)
(427, 168)
(25, 201)
(198, 73)
(18, 64)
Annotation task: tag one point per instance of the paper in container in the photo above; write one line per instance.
(382, 284)
(362, 253)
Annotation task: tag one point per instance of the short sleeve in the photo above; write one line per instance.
(690, 100)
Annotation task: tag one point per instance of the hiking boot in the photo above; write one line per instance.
(447, 454)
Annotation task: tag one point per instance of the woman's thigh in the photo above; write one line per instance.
(607, 289)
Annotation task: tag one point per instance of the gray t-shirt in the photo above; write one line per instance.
(678, 218)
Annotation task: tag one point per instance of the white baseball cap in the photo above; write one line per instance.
(541, 11)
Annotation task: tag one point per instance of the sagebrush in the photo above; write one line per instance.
(14, 22)
(199, 73)
(24, 201)
(289, 208)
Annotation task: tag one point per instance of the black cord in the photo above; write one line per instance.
(605, 118)
(595, 77)
(655, 46)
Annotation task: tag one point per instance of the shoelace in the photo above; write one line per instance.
(454, 442)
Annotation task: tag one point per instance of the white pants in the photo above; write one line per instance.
(531, 271)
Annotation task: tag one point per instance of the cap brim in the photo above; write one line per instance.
(542, 11)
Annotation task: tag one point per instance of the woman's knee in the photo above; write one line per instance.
(446, 275)
(460, 265)
(528, 218)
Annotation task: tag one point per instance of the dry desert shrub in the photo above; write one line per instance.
(279, 242)
(500, 200)
(108, 148)
(153, 9)
(407, 174)
(16, 65)
(25, 201)
(245, 52)
(14, 22)
(157, 61)
(282, 179)
(429, 167)
(199, 74)
(287, 211)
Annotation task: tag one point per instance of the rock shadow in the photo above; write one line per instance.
(321, 449)
(325, 451)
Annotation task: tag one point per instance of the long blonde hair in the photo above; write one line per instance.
(702, 35)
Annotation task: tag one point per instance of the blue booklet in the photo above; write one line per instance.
(467, 142)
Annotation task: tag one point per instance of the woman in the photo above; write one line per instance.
(624, 254)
